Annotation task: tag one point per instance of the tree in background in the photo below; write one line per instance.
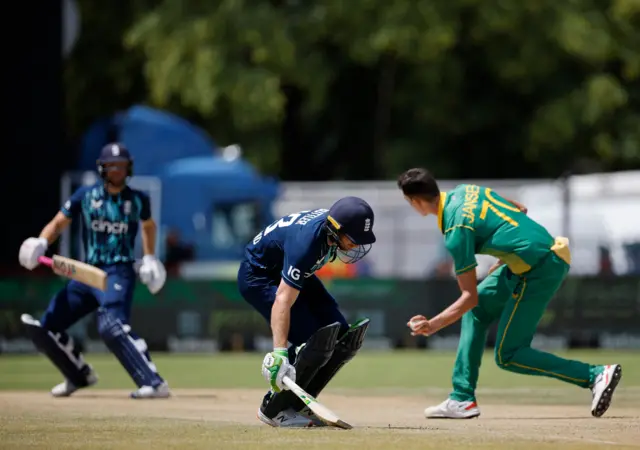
(362, 89)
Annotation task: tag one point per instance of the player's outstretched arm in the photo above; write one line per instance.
(468, 300)
(460, 243)
(149, 233)
(33, 248)
(55, 227)
(299, 257)
(286, 296)
(275, 365)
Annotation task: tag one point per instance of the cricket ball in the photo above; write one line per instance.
(413, 324)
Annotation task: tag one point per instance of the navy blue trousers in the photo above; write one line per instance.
(76, 300)
(314, 308)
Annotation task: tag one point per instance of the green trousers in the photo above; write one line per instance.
(518, 302)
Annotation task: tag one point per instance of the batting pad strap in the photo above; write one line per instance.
(129, 350)
(346, 348)
(61, 350)
(311, 357)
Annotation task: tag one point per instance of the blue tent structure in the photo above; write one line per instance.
(153, 137)
(218, 205)
(215, 204)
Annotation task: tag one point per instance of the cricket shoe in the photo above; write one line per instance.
(288, 418)
(66, 388)
(160, 391)
(603, 388)
(317, 422)
(453, 409)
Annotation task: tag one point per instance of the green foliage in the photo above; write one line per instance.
(101, 77)
(365, 88)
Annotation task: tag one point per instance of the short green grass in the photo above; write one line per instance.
(380, 371)
(37, 425)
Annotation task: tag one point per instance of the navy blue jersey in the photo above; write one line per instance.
(293, 247)
(110, 222)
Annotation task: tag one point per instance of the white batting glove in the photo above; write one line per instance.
(152, 273)
(274, 368)
(30, 250)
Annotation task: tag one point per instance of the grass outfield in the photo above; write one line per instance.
(368, 370)
(381, 393)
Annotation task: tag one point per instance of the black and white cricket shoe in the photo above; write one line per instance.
(66, 388)
(603, 389)
(288, 418)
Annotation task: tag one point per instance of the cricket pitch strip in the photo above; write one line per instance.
(226, 419)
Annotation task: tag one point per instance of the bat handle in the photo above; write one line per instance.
(288, 382)
(45, 260)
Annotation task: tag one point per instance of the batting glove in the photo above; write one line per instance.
(152, 273)
(274, 368)
(30, 250)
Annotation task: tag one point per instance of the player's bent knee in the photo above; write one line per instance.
(128, 349)
(315, 353)
(50, 322)
(504, 357)
(112, 329)
(345, 349)
(352, 341)
(109, 328)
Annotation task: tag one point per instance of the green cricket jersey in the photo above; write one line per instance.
(476, 220)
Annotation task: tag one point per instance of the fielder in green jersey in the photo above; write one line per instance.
(531, 267)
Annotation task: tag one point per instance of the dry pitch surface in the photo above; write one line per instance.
(225, 419)
(381, 394)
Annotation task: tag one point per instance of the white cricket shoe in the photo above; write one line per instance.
(287, 419)
(317, 422)
(66, 388)
(603, 388)
(161, 391)
(453, 409)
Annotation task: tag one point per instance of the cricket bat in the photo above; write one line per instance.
(323, 413)
(76, 270)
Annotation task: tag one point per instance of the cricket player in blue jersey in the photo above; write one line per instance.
(111, 213)
(277, 278)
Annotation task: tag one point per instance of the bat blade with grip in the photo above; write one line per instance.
(45, 261)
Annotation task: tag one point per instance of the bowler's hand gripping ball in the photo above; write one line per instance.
(416, 323)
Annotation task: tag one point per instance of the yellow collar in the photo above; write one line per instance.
(443, 199)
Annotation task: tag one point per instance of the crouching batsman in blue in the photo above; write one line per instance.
(111, 213)
(277, 278)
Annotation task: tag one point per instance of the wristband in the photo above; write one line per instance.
(281, 351)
